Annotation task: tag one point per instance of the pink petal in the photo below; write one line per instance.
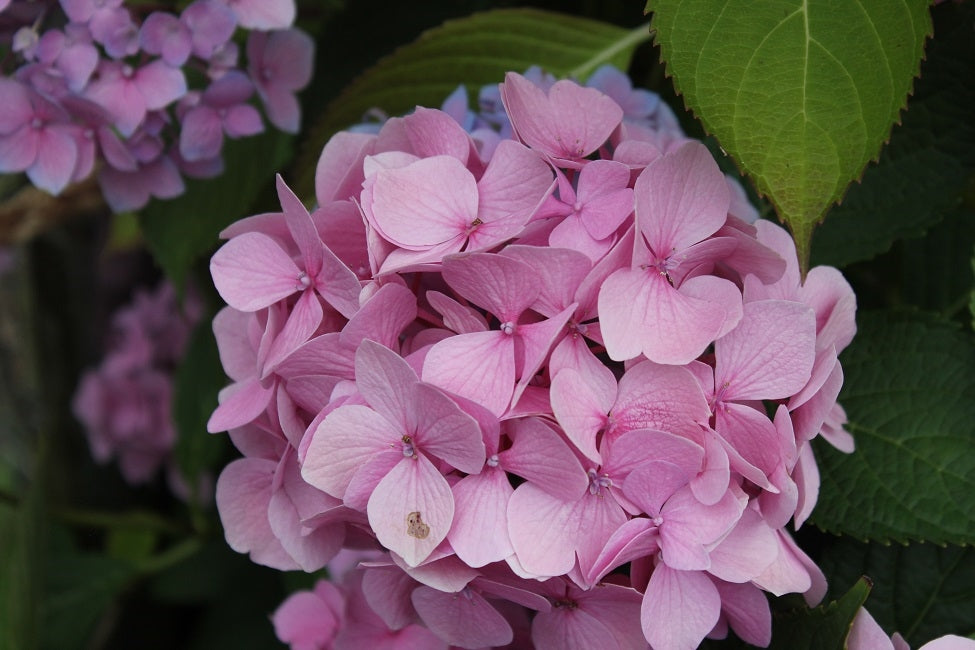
(303, 321)
(462, 619)
(544, 530)
(679, 608)
(386, 382)
(201, 136)
(57, 155)
(445, 431)
(746, 551)
(346, 439)
(502, 285)
(681, 198)
(769, 355)
(574, 629)
(635, 539)
(747, 610)
(479, 366)
(683, 325)
(338, 175)
(387, 590)
(160, 84)
(570, 121)
(251, 271)
(580, 407)
(479, 534)
(411, 510)
(264, 14)
(539, 454)
(241, 404)
(242, 496)
(512, 188)
(423, 204)
(434, 133)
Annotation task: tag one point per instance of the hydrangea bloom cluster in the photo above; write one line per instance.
(125, 403)
(96, 87)
(541, 361)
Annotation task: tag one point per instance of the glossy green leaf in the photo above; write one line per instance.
(929, 160)
(802, 94)
(922, 591)
(181, 231)
(822, 628)
(474, 51)
(908, 392)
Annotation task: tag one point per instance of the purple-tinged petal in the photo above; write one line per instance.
(211, 24)
(569, 121)
(15, 106)
(387, 590)
(57, 156)
(679, 608)
(160, 84)
(411, 510)
(264, 14)
(201, 136)
(242, 120)
(570, 628)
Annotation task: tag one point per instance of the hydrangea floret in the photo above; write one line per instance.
(142, 97)
(540, 360)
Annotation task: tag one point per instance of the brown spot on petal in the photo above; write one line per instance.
(415, 526)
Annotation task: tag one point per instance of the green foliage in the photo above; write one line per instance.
(922, 591)
(198, 381)
(908, 392)
(474, 51)
(181, 231)
(81, 586)
(930, 157)
(823, 628)
(801, 94)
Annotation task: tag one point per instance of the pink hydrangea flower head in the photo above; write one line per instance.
(280, 64)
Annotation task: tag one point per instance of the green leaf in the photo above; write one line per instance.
(802, 94)
(908, 392)
(198, 381)
(181, 231)
(474, 51)
(928, 161)
(971, 300)
(922, 591)
(80, 588)
(823, 628)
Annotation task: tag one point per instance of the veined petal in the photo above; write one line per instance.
(479, 534)
(445, 431)
(411, 510)
(479, 366)
(423, 204)
(769, 355)
(345, 439)
(251, 271)
(679, 608)
(463, 619)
